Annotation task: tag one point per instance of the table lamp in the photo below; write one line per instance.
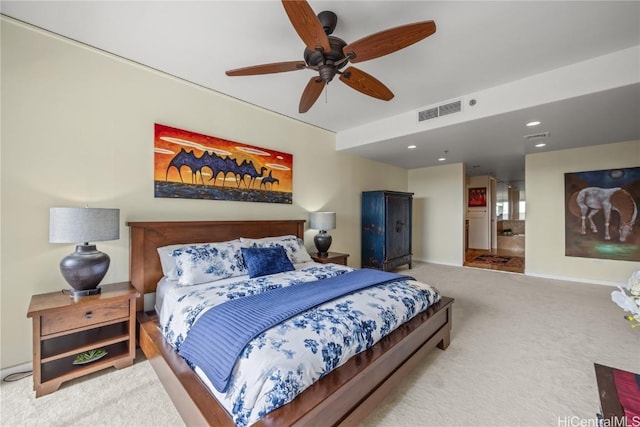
(86, 267)
(322, 221)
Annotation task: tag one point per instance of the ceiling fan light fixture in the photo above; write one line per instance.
(327, 72)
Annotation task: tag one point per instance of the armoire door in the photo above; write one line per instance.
(398, 226)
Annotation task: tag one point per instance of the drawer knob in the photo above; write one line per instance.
(88, 314)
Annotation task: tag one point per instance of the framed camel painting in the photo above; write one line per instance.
(601, 209)
(190, 165)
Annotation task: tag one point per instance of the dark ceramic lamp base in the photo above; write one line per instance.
(322, 241)
(83, 293)
(84, 269)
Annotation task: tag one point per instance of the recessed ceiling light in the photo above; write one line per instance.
(442, 159)
(540, 145)
(533, 123)
(411, 147)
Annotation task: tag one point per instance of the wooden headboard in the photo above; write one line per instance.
(146, 237)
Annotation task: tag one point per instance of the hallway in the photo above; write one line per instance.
(496, 259)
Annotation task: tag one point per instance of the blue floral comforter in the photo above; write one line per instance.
(283, 361)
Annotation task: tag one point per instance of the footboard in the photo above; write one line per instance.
(192, 399)
(344, 397)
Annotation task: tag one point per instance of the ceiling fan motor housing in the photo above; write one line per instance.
(325, 62)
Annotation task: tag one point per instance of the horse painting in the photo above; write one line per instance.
(589, 201)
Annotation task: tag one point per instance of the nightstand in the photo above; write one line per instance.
(65, 328)
(333, 257)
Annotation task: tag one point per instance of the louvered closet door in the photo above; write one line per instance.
(398, 226)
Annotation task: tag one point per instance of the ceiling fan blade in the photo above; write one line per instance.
(306, 24)
(311, 93)
(276, 67)
(388, 41)
(365, 83)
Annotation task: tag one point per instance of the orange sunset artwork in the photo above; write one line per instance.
(190, 165)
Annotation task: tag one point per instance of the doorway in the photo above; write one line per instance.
(506, 228)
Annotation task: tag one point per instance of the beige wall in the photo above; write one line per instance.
(77, 128)
(438, 213)
(439, 207)
(544, 223)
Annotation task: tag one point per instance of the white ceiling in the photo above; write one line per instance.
(478, 45)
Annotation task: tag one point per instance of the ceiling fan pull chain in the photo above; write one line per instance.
(326, 93)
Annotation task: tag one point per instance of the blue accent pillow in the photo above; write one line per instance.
(265, 261)
(293, 246)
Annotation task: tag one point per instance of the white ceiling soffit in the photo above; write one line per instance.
(603, 73)
(593, 119)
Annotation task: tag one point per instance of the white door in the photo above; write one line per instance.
(479, 237)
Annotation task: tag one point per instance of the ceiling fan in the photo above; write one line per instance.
(328, 54)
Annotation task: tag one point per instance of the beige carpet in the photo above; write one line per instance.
(521, 354)
(128, 397)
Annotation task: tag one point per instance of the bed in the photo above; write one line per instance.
(344, 396)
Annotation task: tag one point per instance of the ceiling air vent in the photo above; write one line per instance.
(431, 113)
(541, 135)
(450, 108)
(440, 110)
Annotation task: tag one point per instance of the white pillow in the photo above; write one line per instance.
(293, 246)
(168, 261)
(169, 256)
(209, 262)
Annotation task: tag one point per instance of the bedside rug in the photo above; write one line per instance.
(492, 259)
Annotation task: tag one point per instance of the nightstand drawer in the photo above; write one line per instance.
(82, 316)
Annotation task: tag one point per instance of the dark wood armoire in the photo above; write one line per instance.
(386, 229)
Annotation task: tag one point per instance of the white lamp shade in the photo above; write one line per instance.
(322, 220)
(83, 225)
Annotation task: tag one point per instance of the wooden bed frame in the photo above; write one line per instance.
(343, 397)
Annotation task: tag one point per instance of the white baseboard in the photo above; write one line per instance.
(542, 276)
(574, 279)
(24, 367)
(437, 262)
